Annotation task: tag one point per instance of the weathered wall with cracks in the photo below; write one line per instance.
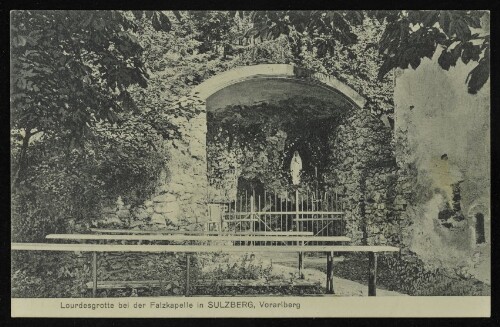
(444, 135)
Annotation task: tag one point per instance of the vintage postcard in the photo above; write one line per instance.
(250, 163)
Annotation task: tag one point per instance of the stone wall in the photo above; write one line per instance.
(443, 134)
(180, 198)
(363, 170)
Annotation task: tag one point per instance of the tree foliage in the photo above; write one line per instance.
(413, 35)
(70, 68)
(92, 127)
(325, 27)
(77, 136)
(409, 36)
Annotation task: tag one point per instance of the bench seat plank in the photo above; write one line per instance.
(160, 232)
(249, 238)
(273, 233)
(198, 232)
(199, 248)
(113, 284)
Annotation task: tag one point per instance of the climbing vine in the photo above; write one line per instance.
(257, 141)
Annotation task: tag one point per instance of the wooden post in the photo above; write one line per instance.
(329, 273)
(94, 274)
(188, 259)
(301, 264)
(372, 275)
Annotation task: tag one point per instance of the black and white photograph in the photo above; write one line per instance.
(249, 163)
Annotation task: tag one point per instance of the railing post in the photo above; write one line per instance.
(94, 274)
(297, 223)
(372, 275)
(329, 273)
(252, 212)
(297, 210)
(188, 259)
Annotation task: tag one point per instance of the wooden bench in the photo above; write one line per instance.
(221, 233)
(256, 240)
(197, 232)
(202, 238)
(328, 249)
(275, 233)
(157, 232)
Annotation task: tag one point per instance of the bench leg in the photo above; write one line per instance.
(372, 275)
(301, 265)
(188, 259)
(329, 273)
(94, 274)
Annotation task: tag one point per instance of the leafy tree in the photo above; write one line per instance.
(325, 27)
(71, 69)
(214, 27)
(408, 37)
(78, 137)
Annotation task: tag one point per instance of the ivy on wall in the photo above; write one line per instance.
(257, 142)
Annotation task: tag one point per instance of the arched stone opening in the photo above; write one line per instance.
(287, 73)
(289, 108)
(357, 158)
(255, 143)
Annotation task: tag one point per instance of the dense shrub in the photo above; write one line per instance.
(55, 274)
(49, 274)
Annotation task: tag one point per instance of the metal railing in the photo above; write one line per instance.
(319, 213)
